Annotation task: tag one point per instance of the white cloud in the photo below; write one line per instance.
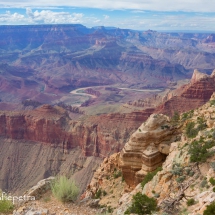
(106, 17)
(50, 17)
(155, 5)
(9, 18)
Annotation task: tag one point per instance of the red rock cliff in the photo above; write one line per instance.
(98, 135)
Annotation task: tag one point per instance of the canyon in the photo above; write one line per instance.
(72, 96)
(94, 136)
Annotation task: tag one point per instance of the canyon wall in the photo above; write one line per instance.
(97, 136)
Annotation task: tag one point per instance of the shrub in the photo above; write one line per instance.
(198, 150)
(177, 169)
(109, 209)
(213, 189)
(98, 194)
(142, 204)
(210, 210)
(201, 124)
(117, 174)
(180, 179)
(212, 102)
(191, 132)
(104, 193)
(187, 115)
(64, 189)
(176, 117)
(6, 206)
(190, 202)
(150, 176)
(204, 183)
(212, 181)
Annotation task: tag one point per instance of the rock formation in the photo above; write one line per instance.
(181, 179)
(190, 96)
(147, 148)
(53, 126)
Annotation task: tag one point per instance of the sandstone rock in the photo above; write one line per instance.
(40, 188)
(146, 149)
(197, 75)
(93, 203)
(190, 96)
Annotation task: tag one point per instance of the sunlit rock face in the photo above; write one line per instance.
(147, 148)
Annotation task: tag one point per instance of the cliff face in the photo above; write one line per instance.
(147, 148)
(190, 96)
(51, 125)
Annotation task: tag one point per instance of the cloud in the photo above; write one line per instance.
(155, 5)
(106, 16)
(9, 17)
(50, 17)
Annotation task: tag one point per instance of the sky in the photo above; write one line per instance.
(160, 15)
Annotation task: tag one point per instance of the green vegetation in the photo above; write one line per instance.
(212, 181)
(212, 102)
(191, 130)
(180, 179)
(190, 202)
(64, 189)
(165, 126)
(204, 183)
(98, 194)
(150, 176)
(187, 115)
(104, 193)
(176, 117)
(117, 173)
(142, 204)
(6, 206)
(198, 150)
(177, 169)
(210, 210)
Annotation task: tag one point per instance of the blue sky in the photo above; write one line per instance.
(198, 15)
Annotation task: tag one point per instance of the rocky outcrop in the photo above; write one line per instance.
(53, 126)
(190, 96)
(147, 148)
(180, 179)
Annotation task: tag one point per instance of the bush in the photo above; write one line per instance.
(104, 193)
(212, 181)
(180, 179)
(210, 210)
(190, 202)
(6, 206)
(98, 194)
(204, 183)
(176, 117)
(198, 150)
(212, 102)
(191, 132)
(177, 169)
(64, 189)
(142, 204)
(117, 174)
(150, 176)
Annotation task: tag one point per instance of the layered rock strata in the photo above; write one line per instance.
(190, 96)
(147, 148)
(96, 136)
